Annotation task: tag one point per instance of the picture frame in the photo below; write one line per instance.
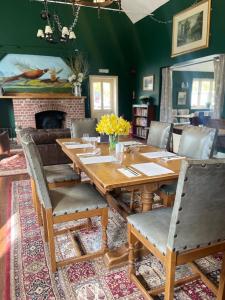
(191, 29)
(182, 98)
(148, 83)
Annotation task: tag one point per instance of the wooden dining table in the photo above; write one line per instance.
(109, 181)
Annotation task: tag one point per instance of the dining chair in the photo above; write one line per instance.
(82, 126)
(65, 204)
(193, 229)
(195, 143)
(55, 175)
(160, 134)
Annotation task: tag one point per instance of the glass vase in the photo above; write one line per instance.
(77, 90)
(113, 140)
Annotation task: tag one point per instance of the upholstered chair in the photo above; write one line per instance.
(65, 204)
(159, 134)
(55, 175)
(81, 126)
(195, 143)
(194, 228)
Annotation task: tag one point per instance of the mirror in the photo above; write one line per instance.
(193, 91)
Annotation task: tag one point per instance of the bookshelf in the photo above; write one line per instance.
(143, 114)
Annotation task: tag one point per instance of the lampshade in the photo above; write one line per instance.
(48, 29)
(40, 33)
(65, 31)
(72, 35)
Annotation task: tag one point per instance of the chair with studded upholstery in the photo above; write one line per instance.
(160, 134)
(184, 234)
(82, 126)
(65, 204)
(55, 175)
(195, 143)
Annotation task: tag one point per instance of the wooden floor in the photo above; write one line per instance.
(5, 184)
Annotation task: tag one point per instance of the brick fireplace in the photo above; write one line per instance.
(26, 108)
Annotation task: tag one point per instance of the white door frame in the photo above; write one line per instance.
(115, 92)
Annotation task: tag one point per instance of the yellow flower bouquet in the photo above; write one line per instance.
(113, 126)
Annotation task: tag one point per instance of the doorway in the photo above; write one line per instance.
(103, 95)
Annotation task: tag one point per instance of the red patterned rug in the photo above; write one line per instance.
(14, 164)
(31, 278)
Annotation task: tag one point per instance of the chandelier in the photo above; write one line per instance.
(55, 31)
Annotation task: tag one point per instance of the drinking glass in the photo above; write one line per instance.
(85, 137)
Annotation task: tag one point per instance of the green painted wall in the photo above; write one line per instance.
(153, 42)
(107, 43)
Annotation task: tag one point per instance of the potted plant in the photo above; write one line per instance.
(113, 126)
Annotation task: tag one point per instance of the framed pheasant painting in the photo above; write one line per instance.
(21, 73)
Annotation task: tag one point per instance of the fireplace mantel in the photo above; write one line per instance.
(40, 96)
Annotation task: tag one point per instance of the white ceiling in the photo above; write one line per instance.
(198, 67)
(139, 9)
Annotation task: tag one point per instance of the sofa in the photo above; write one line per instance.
(51, 153)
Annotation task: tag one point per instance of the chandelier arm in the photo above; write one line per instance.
(95, 4)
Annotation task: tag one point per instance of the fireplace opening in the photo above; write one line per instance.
(50, 119)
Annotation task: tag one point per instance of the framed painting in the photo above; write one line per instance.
(148, 83)
(182, 98)
(191, 28)
(22, 73)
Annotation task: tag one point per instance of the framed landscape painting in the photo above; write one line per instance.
(182, 98)
(148, 83)
(191, 28)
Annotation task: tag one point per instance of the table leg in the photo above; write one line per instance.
(119, 256)
(147, 196)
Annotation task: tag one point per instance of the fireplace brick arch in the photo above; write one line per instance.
(25, 109)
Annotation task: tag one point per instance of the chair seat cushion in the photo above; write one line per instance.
(60, 173)
(169, 189)
(81, 197)
(154, 226)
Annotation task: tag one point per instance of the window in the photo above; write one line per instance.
(103, 92)
(203, 91)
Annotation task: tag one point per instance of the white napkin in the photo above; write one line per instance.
(98, 159)
(79, 146)
(127, 172)
(152, 169)
(158, 154)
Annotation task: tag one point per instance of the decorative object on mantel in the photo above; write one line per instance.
(22, 73)
(191, 28)
(113, 126)
(79, 66)
(54, 30)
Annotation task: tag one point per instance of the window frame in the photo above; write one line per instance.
(210, 96)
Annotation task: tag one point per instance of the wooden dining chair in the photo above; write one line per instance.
(55, 175)
(65, 204)
(193, 229)
(81, 126)
(195, 143)
(159, 135)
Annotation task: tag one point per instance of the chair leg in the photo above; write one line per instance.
(36, 202)
(131, 241)
(51, 239)
(221, 291)
(170, 275)
(104, 222)
(45, 225)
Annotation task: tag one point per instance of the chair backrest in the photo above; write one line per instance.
(199, 208)
(197, 142)
(23, 140)
(81, 126)
(159, 134)
(36, 170)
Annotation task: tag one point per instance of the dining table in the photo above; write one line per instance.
(139, 167)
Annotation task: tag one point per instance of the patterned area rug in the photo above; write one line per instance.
(13, 165)
(31, 277)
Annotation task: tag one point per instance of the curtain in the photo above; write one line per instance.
(219, 77)
(166, 96)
